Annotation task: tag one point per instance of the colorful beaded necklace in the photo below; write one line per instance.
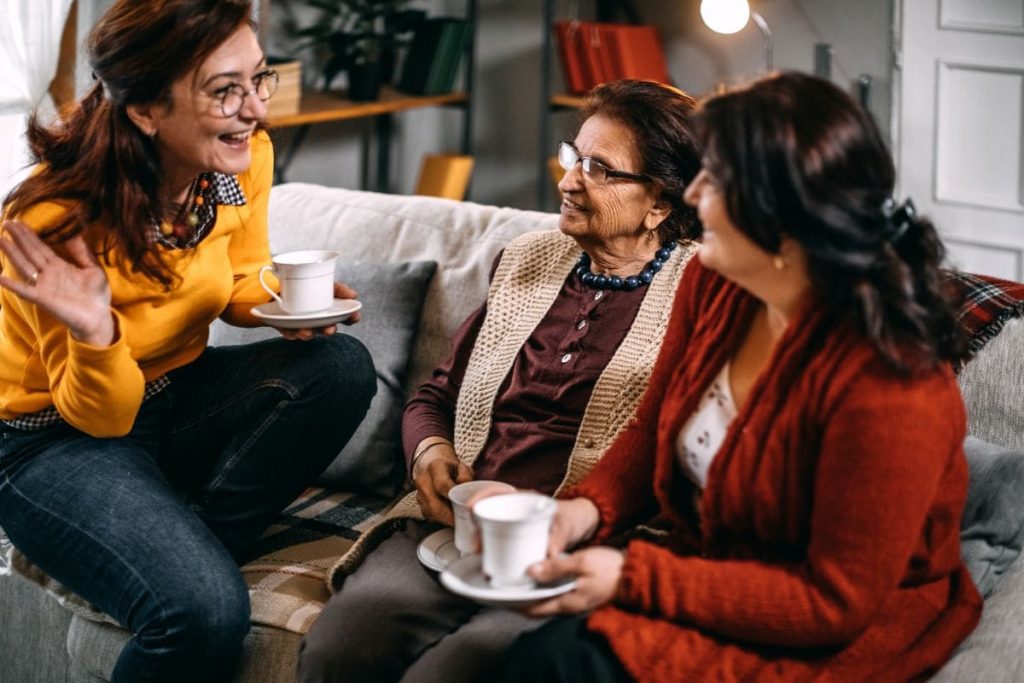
(181, 231)
(616, 283)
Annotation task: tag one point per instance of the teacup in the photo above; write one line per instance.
(466, 533)
(514, 530)
(307, 280)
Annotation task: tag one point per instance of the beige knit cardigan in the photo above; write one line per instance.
(529, 276)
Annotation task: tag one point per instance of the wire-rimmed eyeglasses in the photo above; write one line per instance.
(594, 170)
(232, 97)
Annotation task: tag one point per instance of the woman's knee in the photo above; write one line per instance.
(208, 615)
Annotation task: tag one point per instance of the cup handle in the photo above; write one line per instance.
(263, 284)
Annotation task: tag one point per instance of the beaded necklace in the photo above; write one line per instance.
(181, 231)
(616, 283)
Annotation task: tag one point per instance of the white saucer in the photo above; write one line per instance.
(465, 577)
(275, 316)
(438, 550)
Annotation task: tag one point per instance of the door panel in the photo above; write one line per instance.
(959, 126)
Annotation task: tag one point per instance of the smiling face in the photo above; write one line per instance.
(191, 132)
(724, 247)
(620, 211)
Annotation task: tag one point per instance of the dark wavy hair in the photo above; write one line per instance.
(96, 158)
(659, 117)
(797, 157)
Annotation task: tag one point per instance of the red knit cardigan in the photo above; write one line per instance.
(828, 547)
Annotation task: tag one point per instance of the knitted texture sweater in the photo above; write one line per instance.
(528, 278)
(828, 542)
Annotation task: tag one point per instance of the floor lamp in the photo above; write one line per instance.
(729, 16)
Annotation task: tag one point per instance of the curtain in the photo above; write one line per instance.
(30, 34)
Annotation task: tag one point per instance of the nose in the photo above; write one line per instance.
(692, 192)
(572, 180)
(253, 107)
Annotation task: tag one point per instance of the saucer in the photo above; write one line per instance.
(275, 316)
(465, 577)
(438, 550)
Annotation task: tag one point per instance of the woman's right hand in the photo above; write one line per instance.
(575, 521)
(434, 473)
(75, 291)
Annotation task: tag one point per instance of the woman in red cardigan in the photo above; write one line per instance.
(802, 431)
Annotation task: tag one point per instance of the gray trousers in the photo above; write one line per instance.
(393, 620)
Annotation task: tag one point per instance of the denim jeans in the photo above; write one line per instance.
(150, 527)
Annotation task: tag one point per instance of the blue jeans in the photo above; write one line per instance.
(150, 527)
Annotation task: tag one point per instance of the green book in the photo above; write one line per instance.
(433, 54)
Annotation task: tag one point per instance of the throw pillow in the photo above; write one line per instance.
(992, 527)
(392, 295)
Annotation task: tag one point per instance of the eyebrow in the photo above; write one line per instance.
(232, 74)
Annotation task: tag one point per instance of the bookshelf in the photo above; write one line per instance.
(317, 107)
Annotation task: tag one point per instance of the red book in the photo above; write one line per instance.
(636, 52)
(590, 55)
(567, 37)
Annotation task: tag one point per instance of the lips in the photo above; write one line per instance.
(572, 206)
(235, 139)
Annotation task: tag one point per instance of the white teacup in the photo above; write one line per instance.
(466, 533)
(514, 530)
(307, 280)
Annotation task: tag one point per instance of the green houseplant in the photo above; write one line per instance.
(362, 38)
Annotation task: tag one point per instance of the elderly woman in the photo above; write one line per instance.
(541, 379)
(137, 465)
(803, 432)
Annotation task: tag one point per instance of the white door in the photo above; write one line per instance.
(959, 126)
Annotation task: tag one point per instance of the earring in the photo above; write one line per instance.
(779, 263)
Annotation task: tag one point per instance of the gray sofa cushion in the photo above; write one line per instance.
(392, 296)
(992, 528)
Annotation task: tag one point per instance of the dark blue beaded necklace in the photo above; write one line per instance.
(616, 283)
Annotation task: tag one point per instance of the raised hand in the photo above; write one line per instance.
(73, 290)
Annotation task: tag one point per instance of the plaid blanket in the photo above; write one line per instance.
(288, 576)
(986, 304)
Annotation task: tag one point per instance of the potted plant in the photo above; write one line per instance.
(362, 37)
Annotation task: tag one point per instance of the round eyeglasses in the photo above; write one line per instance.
(593, 170)
(232, 97)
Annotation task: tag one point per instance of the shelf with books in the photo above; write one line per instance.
(318, 107)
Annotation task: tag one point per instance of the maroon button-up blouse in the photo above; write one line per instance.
(540, 404)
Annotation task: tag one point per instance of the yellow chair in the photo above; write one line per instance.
(445, 175)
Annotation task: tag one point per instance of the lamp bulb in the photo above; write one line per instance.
(725, 16)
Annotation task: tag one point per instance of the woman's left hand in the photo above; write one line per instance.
(341, 291)
(597, 571)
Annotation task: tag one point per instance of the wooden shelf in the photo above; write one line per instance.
(567, 101)
(321, 107)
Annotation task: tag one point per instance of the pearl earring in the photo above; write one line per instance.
(779, 263)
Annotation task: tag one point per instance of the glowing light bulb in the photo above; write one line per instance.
(725, 16)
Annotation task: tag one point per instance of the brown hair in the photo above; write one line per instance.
(658, 116)
(797, 157)
(96, 158)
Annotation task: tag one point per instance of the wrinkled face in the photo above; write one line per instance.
(724, 247)
(617, 208)
(193, 134)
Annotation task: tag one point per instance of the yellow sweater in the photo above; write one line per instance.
(99, 390)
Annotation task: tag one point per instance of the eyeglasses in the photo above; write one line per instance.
(593, 170)
(232, 97)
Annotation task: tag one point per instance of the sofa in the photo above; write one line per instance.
(421, 265)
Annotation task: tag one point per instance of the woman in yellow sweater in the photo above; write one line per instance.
(136, 464)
